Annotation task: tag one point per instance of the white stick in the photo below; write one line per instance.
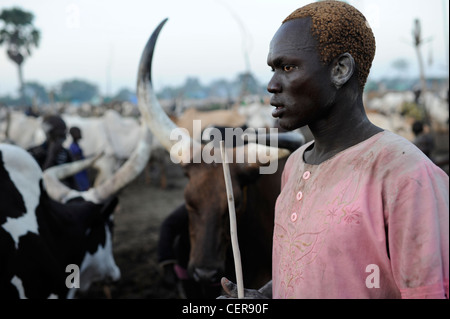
(233, 225)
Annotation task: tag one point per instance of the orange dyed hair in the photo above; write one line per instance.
(339, 28)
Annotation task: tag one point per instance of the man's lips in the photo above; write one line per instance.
(278, 111)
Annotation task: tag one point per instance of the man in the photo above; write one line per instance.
(362, 213)
(82, 177)
(52, 152)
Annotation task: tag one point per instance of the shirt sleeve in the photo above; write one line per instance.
(418, 232)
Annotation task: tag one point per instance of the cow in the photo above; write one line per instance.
(114, 135)
(18, 128)
(205, 195)
(54, 239)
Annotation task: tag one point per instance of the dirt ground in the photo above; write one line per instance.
(143, 205)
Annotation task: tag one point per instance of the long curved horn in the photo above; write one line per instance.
(154, 115)
(124, 175)
(52, 176)
(69, 169)
(128, 171)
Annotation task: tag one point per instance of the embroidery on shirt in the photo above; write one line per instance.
(352, 216)
(300, 250)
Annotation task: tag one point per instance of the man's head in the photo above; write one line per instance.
(321, 54)
(339, 28)
(75, 132)
(54, 127)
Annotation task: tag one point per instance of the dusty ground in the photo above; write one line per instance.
(143, 206)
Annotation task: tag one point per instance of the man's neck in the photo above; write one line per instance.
(344, 128)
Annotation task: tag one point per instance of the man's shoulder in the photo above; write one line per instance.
(401, 156)
(391, 143)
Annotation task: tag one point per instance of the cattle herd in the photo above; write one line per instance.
(56, 242)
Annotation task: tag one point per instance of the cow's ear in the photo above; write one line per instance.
(109, 206)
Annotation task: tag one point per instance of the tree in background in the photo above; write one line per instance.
(125, 95)
(35, 93)
(19, 35)
(77, 91)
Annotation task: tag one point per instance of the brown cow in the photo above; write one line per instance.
(205, 195)
(206, 201)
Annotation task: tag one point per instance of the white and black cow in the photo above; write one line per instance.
(48, 232)
(40, 237)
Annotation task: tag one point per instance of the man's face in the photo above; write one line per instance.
(301, 83)
(58, 133)
(76, 134)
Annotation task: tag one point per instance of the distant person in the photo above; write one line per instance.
(81, 178)
(52, 152)
(417, 90)
(423, 140)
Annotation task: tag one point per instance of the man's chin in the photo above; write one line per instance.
(286, 125)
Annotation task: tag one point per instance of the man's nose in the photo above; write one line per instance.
(274, 85)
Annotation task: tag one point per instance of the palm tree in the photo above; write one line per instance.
(19, 35)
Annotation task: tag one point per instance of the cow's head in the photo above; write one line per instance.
(205, 194)
(207, 204)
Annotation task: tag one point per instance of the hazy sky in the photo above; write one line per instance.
(101, 40)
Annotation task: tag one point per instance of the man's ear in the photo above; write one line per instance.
(342, 70)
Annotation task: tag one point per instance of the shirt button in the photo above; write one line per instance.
(294, 217)
(306, 175)
(299, 195)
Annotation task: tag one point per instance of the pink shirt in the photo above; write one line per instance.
(371, 222)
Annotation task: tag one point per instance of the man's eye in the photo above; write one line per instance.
(289, 68)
